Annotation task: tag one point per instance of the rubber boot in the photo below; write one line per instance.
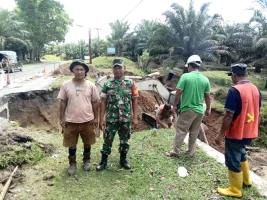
(123, 162)
(246, 178)
(72, 167)
(102, 165)
(235, 189)
(86, 161)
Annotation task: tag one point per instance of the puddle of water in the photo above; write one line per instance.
(265, 172)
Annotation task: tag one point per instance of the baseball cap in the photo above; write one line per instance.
(239, 68)
(117, 62)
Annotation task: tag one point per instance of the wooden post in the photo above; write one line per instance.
(4, 191)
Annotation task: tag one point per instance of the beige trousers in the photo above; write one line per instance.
(187, 122)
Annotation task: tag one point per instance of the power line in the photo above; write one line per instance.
(132, 9)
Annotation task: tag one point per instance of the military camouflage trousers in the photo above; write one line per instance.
(124, 132)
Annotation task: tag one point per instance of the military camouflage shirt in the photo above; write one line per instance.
(119, 96)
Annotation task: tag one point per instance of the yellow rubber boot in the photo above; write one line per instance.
(246, 178)
(236, 182)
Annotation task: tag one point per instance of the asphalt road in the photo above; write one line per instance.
(23, 82)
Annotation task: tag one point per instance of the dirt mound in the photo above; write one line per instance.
(213, 123)
(64, 69)
(148, 101)
(18, 148)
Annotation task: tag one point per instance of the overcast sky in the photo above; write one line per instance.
(98, 13)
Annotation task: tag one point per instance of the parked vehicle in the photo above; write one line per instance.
(9, 61)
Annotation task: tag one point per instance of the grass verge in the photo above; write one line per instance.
(106, 63)
(51, 57)
(153, 175)
(60, 79)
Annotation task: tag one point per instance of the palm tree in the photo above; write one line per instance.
(188, 32)
(13, 34)
(235, 43)
(119, 30)
(259, 47)
(144, 32)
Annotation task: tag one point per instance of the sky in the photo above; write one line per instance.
(97, 14)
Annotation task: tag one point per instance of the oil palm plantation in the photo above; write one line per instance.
(118, 33)
(13, 34)
(235, 43)
(187, 32)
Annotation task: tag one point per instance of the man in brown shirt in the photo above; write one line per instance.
(78, 113)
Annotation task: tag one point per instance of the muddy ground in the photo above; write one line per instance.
(41, 109)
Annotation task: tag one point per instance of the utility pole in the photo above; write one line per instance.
(90, 46)
(98, 33)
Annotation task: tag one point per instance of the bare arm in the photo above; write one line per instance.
(161, 122)
(95, 108)
(103, 106)
(63, 106)
(177, 99)
(174, 117)
(95, 111)
(207, 101)
(227, 119)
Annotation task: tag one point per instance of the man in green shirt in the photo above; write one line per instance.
(192, 89)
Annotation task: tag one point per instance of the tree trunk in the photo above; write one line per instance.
(257, 69)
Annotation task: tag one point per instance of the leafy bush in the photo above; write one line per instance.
(262, 139)
(17, 155)
(221, 95)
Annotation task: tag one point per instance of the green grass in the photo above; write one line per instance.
(153, 175)
(18, 155)
(60, 79)
(106, 63)
(51, 57)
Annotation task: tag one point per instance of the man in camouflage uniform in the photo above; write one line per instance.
(119, 103)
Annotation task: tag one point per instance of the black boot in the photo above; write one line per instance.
(123, 162)
(103, 163)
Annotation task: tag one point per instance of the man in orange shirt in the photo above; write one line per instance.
(239, 127)
(78, 113)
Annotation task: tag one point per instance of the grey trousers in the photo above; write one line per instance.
(187, 122)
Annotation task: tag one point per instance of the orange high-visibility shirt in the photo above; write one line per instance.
(247, 123)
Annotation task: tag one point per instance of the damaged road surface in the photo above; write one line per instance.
(34, 137)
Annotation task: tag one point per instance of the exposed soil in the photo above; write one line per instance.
(35, 108)
(65, 70)
(41, 109)
(16, 139)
